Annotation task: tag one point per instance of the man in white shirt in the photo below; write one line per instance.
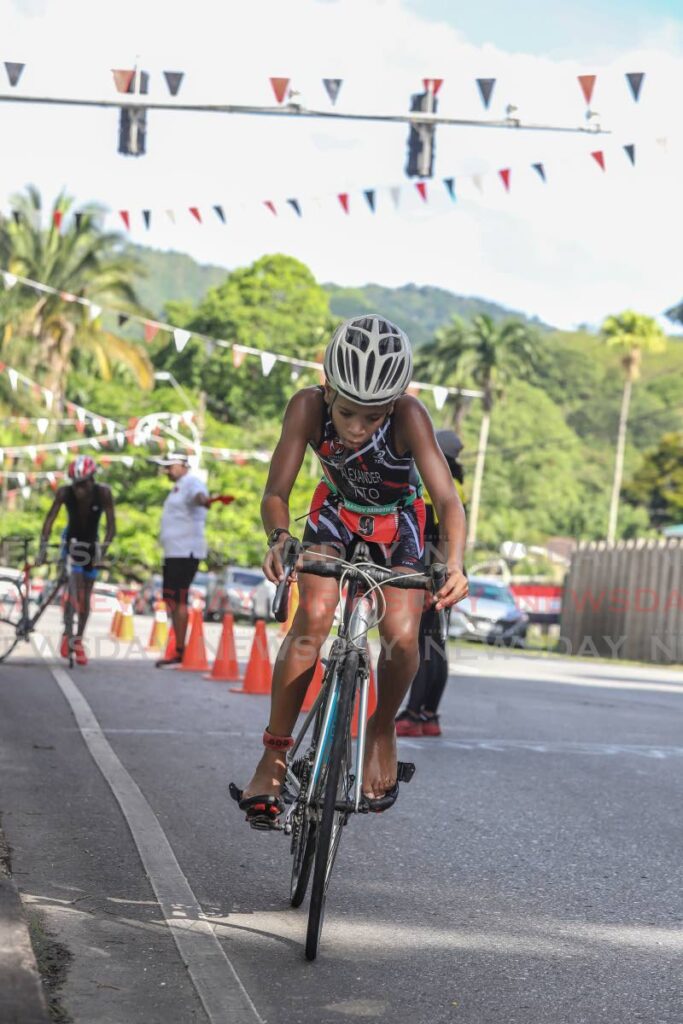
(182, 538)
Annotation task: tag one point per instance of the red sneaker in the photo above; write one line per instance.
(408, 725)
(430, 726)
(79, 652)
(64, 647)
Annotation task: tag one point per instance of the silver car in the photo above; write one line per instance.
(489, 614)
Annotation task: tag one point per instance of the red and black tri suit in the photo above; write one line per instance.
(370, 493)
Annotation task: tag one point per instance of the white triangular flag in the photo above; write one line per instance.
(478, 182)
(49, 399)
(97, 425)
(64, 450)
(181, 338)
(94, 311)
(10, 279)
(13, 377)
(268, 361)
(395, 193)
(128, 460)
(21, 479)
(120, 440)
(51, 477)
(187, 416)
(94, 443)
(2, 456)
(31, 451)
(175, 423)
(42, 425)
(26, 492)
(80, 414)
(440, 396)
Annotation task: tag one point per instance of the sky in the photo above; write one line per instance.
(586, 243)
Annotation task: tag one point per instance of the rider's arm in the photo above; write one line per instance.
(301, 422)
(108, 505)
(416, 433)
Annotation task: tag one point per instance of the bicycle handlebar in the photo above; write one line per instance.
(432, 580)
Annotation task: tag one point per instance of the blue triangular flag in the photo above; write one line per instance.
(294, 203)
(369, 194)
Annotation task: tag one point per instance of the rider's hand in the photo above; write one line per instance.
(224, 499)
(454, 589)
(272, 563)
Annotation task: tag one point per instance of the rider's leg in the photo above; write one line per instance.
(398, 663)
(292, 673)
(84, 587)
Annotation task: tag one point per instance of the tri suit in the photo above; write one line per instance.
(371, 493)
(80, 535)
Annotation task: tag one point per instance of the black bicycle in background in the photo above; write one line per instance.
(17, 621)
(324, 782)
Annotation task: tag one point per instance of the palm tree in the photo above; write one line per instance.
(493, 353)
(440, 361)
(83, 261)
(631, 334)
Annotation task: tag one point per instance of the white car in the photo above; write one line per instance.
(489, 613)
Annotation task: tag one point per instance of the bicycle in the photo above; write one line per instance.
(320, 791)
(16, 621)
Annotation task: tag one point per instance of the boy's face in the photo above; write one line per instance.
(355, 424)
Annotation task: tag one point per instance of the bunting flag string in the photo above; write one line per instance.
(344, 199)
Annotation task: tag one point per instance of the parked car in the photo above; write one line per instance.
(489, 613)
(232, 590)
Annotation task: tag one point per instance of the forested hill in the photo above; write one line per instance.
(418, 310)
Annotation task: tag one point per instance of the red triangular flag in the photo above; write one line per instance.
(332, 85)
(123, 80)
(196, 214)
(635, 80)
(432, 85)
(271, 206)
(421, 187)
(125, 217)
(505, 177)
(599, 158)
(151, 330)
(279, 88)
(57, 219)
(343, 198)
(587, 83)
(13, 71)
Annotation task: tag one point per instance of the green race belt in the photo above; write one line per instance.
(374, 510)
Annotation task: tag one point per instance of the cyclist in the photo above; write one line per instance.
(370, 438)
(85, 501)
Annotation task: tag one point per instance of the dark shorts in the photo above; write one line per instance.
(395, 540)
(178, 574)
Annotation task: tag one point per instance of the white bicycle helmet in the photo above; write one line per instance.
(369, 360)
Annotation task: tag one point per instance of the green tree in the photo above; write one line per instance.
(45, 330)
(494, 354)
(657, 485)
(631, 334)
(440, 361)
(274, 305)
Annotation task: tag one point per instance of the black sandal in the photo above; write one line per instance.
(404, 773)
(263, 810)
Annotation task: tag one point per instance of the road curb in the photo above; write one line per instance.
(22, 1000)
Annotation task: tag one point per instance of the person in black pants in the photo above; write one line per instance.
(420, 715)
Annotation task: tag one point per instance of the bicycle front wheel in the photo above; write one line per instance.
(332, 820)
(11, 615)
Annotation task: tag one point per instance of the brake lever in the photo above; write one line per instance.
(290, 556)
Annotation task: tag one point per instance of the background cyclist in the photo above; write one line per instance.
(85, 501)
(369, 437)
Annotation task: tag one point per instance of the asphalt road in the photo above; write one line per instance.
(530, 874)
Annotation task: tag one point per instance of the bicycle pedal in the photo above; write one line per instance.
(406, 770)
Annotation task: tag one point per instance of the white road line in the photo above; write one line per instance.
(218, 985)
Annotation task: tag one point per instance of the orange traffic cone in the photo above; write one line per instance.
(293, 605)
(225, 668)
(126, 631)
(194, 656)
(372, 703)
(313, 687)
(159, 633)
(116, 618)
(259, 674)
(171, 649)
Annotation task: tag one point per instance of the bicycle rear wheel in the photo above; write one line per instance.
(332, 820)
(11, 615)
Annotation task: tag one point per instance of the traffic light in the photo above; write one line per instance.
(133, 120)
(421, 140)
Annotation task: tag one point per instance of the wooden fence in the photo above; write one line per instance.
(625, 601)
